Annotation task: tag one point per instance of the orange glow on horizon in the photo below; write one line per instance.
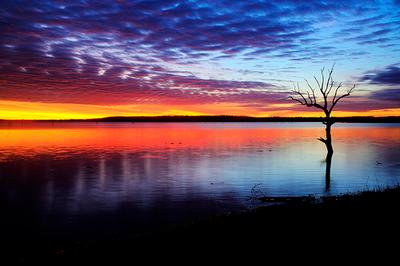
(33, 141)
(191, 136)
(14, 110)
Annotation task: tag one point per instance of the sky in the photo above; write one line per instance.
(86, 59)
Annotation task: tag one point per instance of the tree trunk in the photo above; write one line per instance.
(328, 142)
(328, 172)
(329, 148)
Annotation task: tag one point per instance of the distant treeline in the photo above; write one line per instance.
(227, 118)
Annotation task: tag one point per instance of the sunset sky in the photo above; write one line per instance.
(85, 59)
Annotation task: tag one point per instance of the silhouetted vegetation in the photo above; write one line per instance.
(340, 223)
(224, 118)
(228, 118)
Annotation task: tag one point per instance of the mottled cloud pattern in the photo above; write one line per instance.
(246, 53)
(387, 76)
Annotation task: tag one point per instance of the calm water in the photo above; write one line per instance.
(86, 176)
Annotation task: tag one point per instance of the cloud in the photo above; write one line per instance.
(121, 83)
(140, 51)
(388, 76)
(387, 95)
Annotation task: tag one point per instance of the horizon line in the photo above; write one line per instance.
(233, 117)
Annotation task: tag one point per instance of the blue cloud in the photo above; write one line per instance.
(387, 95)
(388, 76)
(118, 51)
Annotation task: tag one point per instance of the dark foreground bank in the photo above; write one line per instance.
(367, 222)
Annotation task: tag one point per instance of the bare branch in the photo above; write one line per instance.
(297, 100)
(311, 102)
(312, 90)
(322, 80)
(309, 97)
(298, 92)
(322, 87)
(329, 80)
(335, 101)
(319, 106)
(336, 91)
(351, 89)
(330, 88)
(316, 80)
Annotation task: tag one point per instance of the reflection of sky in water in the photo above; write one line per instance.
(77, 171)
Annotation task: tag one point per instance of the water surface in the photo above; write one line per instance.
(69, 176)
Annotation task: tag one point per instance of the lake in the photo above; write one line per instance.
(66, 177)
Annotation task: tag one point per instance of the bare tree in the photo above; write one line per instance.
(327, 99)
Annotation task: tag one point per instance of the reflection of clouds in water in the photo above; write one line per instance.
(140, 171)
(154, 156)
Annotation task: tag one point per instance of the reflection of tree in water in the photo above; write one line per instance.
(326, 101)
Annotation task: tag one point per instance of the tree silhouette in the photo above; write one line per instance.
(326, 101)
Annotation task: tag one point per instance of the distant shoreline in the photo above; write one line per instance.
(223, 118)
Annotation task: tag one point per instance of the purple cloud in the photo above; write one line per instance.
(388, 76)
(387, 95)
(118, 52)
